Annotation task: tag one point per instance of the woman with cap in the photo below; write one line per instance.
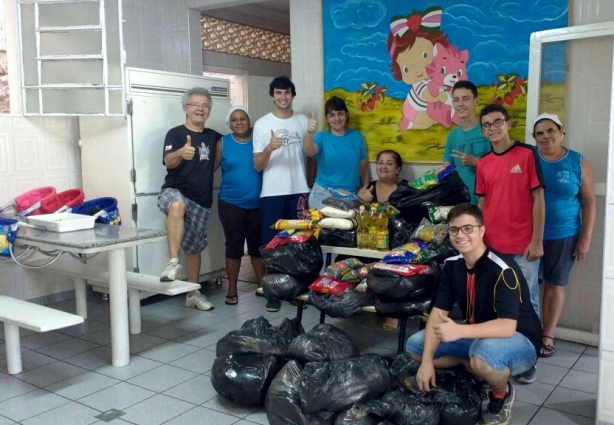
(570, 217)
(239, 198)
(341, 154)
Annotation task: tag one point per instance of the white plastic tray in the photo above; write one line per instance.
(63, 222)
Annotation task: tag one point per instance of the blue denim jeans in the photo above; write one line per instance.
(530, 270)
(516, 352)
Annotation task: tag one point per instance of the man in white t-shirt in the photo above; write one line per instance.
(278, 153)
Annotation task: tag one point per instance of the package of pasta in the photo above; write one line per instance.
(364, 270)
(341, 268)
(327, 284)
(294, 224)
(353, 276)
(337, 213)
(314, 214)
(405, 253)
(437, 214)
(429, 232)
(426, 180)
(404, 269)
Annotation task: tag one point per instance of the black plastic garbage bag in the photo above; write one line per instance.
(357, 414)
(406, 408)
(282, 401)
(259, 336)
(404, 369)
(392, 287)
(345, 204)
(417, 307)
(303, 261)
(338, 237)
(450, 191)
(343, 305)
(245, 377)
(323, 342)
(337, 384)
(278, 286)
(400, 230)
(464, 403)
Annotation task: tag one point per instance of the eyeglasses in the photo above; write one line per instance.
(466, 229)
(496, 123)
(202, 106)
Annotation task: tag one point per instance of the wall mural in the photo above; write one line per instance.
(395, 62)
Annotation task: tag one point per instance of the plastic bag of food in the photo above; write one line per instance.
(259, 336)
(337, 237)
(343, 305)
(425, 181)
(450, 191)
(400, 229)
(283, 404)
(403, 269)
(245, 377)
(419, 306)
(303, 261)
(345, 204)
(289, 236)
(404, 254)
(279, 286)
(437, 214)
(336, 384)
(337, 223)
(444, 172)
(337, 213)
(294, 224)
(340, 268)
(326, 284)
(429, 232)
(323, 342)
(428, 254)
(354, 276)
(391, 287)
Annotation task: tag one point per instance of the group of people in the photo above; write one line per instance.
(531, 216)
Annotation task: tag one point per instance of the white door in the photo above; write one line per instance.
(259, 102)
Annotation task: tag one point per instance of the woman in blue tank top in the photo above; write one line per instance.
(239, 198)
(570, 217)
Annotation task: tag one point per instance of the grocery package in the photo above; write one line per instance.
(341, 268)
(337, 213)
(429, 232)
(404, 254)
(327, 284)
(294, 224)
(343, 305)
(437, 214)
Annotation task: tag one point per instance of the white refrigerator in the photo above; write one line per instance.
(122, 158)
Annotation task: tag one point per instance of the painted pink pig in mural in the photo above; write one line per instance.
(410, 44)
(449, 66)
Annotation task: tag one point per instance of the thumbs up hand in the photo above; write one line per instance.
(188, 151)
(447, 330)
(366, 193)
(312, 123)
(275, 142)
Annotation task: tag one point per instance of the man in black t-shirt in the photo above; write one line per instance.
(186, 196)
(501, 333)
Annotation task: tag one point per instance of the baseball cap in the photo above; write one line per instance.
(546, 116)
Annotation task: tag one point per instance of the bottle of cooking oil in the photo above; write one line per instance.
(362, 229)
(383, 237)
(373, 216)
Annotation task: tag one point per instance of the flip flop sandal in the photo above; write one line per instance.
(232, 300)
(547, 350)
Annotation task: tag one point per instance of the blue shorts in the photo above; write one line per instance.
(273, 208)
(516, 352)
(558, 260)
(196, 220)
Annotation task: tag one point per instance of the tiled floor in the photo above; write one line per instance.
(68, 379)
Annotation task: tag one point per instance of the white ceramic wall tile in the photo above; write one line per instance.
(605, 401)
(607, 320)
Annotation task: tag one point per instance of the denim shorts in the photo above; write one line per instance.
(558, 260)
(196, 220)
(516, 352)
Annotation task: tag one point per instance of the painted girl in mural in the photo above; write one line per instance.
(411, 46)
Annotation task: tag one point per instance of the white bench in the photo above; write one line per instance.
(23, 314)
(99, 276)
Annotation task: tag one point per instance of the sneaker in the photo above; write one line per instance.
(171, 272)
(273, 305)
(296, 303)
(499, 412)
(198, 301)
(527, 377)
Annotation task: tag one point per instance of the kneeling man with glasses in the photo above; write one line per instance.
(500, 335)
